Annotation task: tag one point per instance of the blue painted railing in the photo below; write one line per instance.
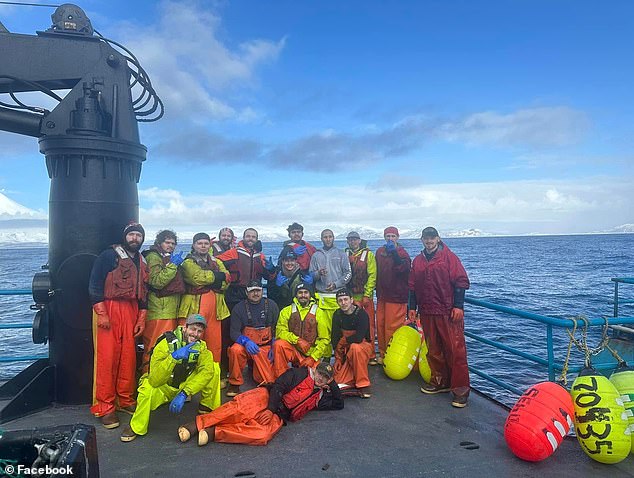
(23, 325)
(549, 322)
(617, 299)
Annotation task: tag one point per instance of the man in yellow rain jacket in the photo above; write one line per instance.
(204, 275)
(363, 282)
(165, 286)
(301, 335)
(181, 366)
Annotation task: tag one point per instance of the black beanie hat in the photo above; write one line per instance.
(133, 227)
(199, 236)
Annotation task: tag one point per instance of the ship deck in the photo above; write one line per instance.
(399, 432)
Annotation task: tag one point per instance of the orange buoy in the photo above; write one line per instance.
(539, 421)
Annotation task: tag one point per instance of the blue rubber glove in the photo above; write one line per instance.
(280, 280)
(390, 247)
(252, 347)
(177, 258)
(268, 264)
(183, 352)
(248, 344)
(307, 279)
(177, 403)
(300, 250)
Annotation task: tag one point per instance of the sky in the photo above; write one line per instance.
(505, 117)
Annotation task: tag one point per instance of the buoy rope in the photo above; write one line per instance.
(582, 344)
(563, 379)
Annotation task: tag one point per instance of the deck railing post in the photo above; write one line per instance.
(551, 352)
(616, 299)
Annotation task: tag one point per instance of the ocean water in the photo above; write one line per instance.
(557, 276)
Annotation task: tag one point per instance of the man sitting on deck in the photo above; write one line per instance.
(351, 343)
(253, 324)
(254, 417)
(180, 366)
(301, 335)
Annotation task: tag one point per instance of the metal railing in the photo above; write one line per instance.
(550, 323)
(617, 299)
(21, 325)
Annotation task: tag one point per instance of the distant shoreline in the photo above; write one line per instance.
(185, 239)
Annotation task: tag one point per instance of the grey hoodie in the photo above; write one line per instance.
(336, 263)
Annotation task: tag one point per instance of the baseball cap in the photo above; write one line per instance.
(430, 232)
(196, 319)
(325, 369)
(344, 291)
(301, 286)
(289, 254)
(253, 285)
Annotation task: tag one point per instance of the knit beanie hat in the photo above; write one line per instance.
(199, 236)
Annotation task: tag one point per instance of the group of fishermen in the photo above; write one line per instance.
(202, 318)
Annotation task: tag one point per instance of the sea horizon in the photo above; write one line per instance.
(150, 233)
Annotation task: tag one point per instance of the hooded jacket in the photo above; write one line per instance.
(337, 265)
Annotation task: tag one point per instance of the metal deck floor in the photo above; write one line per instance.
(399, 432)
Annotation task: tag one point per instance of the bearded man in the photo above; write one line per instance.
(118, 292)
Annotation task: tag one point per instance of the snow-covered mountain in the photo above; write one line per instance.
(628, 228)
(9, 209)
(19, 224)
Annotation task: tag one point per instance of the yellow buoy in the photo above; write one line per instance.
(623, 380)
(401, 353)
(423, 363)
(600, 419)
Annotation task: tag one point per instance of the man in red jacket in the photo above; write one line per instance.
(438, 282)
(392, 266)
(302, 248)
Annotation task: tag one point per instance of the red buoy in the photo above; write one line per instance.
(539, 421)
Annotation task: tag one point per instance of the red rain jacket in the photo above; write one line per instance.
(434, 281)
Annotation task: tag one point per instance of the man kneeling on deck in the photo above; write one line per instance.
(180, 366)
(254, 417)
(253, 322)
(301, 335)
(351, 343)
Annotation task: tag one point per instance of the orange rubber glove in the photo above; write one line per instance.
(139, 327)
(103, 320)
(303, 345)
(366, 303)
(457, 314)
(411, 316)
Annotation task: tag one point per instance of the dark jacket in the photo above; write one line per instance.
(331, 399)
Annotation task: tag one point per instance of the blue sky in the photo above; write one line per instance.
(512, 117)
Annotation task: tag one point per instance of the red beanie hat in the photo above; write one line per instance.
(391, 230)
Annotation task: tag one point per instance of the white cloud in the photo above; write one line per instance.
(533, 127)
(513, 207)
(191, 68)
